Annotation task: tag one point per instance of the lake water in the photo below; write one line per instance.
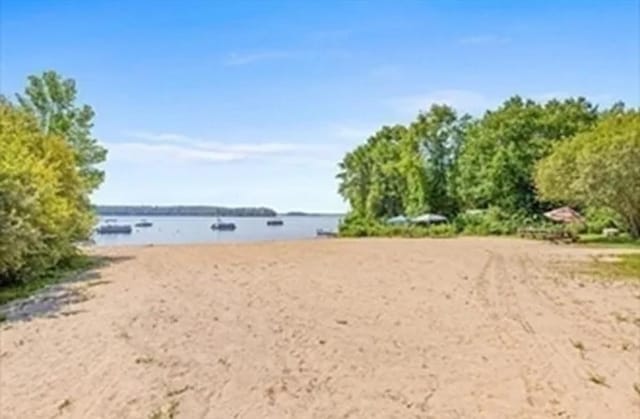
(168, 230)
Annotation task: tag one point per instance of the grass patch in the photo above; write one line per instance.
(619, 242)
(622, 266)
(74, 265)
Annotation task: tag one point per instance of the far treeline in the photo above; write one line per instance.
(499, 172)
(183, 210)
(48, 169)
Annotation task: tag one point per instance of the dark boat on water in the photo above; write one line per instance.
(275, 223)
(144, 223)
(114, 229)
(222, 226)
(326, 233)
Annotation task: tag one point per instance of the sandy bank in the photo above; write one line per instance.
(331, 329)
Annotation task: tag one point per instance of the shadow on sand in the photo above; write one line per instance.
(50, 300)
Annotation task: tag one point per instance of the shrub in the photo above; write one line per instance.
(43, 208)
(492, 221)
(354, 226)
(597, 219)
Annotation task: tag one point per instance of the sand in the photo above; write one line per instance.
(450, 328)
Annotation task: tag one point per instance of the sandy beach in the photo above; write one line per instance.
(377, 328)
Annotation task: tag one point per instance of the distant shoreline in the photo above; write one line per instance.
(199, 211)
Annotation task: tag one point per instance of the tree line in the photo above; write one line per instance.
(184, 210)
(48, 168)
(512, 163)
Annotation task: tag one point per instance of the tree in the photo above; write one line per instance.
(497, 160)
(354, 179)
(52, 101)
(599, 168)
(438, 135)
(41, 210)
(371, 177)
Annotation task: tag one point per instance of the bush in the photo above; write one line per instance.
(492, 221)
(597, 219)
(354, 226)
(43, 208)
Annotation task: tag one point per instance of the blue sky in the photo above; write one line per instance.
(254, 102)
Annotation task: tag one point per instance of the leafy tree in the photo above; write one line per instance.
(438, 134)
(41, 213)
(354, 179)
(52, 100)
(371, 177)
(599, 168)
(496, 163)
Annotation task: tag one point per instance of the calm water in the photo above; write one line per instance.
(167, 230)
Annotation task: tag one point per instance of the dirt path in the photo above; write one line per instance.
(462, 328)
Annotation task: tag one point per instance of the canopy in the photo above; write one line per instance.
(564, 215)
(430, 218)
(400, 219)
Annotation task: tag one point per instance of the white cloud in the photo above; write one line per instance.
(170, 146)
(462, 100)
(484, 40)
(135, 151)
(235, 59)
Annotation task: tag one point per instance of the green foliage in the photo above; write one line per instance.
(41, 194)
(438, 135)
(371, 176)
(354, 226)
(71, 264)
(404, 170)
(516, 161)
(498, 157)
(623, 241)
(51, 100)
(598, 168)
(597, 219)
(493, 221)
(47, 170)
(624, 266)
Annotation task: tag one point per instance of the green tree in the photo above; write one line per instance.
(438, 134)
(52, 100)
(599, 168)
(41, 212)
(354, 177)
(497, 160)
(371, 177)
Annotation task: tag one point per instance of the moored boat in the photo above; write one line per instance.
(144, 223)
(274, 223)
(222, 226)
(114, 229)
(326, 233)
